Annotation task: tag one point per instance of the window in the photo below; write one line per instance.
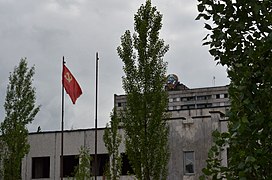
(126, 168)
(201, 105)
(204, 105)
(226, 95)
(217, 96)
(170, 99)
(40, 167)
(69, 165)
(170, 108)
(176, 99)
(201, 97)
(191, 98)
(191, 106)
(189, 162)
(177, 107)
(102, 162)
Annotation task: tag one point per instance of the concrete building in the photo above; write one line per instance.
(195, 114)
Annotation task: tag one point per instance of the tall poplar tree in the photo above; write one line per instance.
(113, 139)
(240, 37)
(144, 118)
(20, 111)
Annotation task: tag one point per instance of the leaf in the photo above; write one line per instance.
(205, 38)
(250, 159)
(207, 26)
(200, 7)
(206, 43)
(206, 171)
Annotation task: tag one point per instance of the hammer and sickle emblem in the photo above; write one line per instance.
(68, 77)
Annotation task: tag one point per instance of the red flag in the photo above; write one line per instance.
(70, 84)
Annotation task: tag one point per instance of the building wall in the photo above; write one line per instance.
(45, 144)
(197, 113)
(194, 115)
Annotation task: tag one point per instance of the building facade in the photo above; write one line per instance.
(195, 114)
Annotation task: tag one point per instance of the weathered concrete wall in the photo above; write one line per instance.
(49, 144)
(190, 134)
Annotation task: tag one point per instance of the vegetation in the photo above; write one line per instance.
(20, 111)
(112, 139)
(241, 38)
(83, 170)
(144, 118)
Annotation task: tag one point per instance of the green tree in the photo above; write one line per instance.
(20, 111)
(83, 170)
(113, 139)
(241, 38)
(144, 121)
(2, 155)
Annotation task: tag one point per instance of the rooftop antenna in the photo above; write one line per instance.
(213, 81)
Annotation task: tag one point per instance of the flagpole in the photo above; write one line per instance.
(62, 123)
(96, 91)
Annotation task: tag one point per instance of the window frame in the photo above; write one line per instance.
(44, 163)
(185, 162)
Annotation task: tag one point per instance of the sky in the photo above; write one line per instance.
(45, 31)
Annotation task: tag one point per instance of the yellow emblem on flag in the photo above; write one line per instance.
(68, 77)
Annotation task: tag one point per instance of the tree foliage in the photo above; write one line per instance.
(20, 111)
(241, 38)
(144, 118)
(113, 139)
(83, 170)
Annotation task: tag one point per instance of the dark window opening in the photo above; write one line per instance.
(102, 162)
(226, 95)
(69, 165)
(126, 167)
(191, 106)
(201, 97)
(201, 105)
(40, 167)
(217, 96)
(204, 105)
(191, 98)
(189, 162)
(119, 104)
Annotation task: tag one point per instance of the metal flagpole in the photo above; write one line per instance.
(62, 123)
(96, 88)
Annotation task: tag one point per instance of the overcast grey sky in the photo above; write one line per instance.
(44, 31)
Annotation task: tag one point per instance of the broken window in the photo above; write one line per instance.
(102, 162)
(69, 165)
(189, 162)
(126, 167)
(40, 167)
